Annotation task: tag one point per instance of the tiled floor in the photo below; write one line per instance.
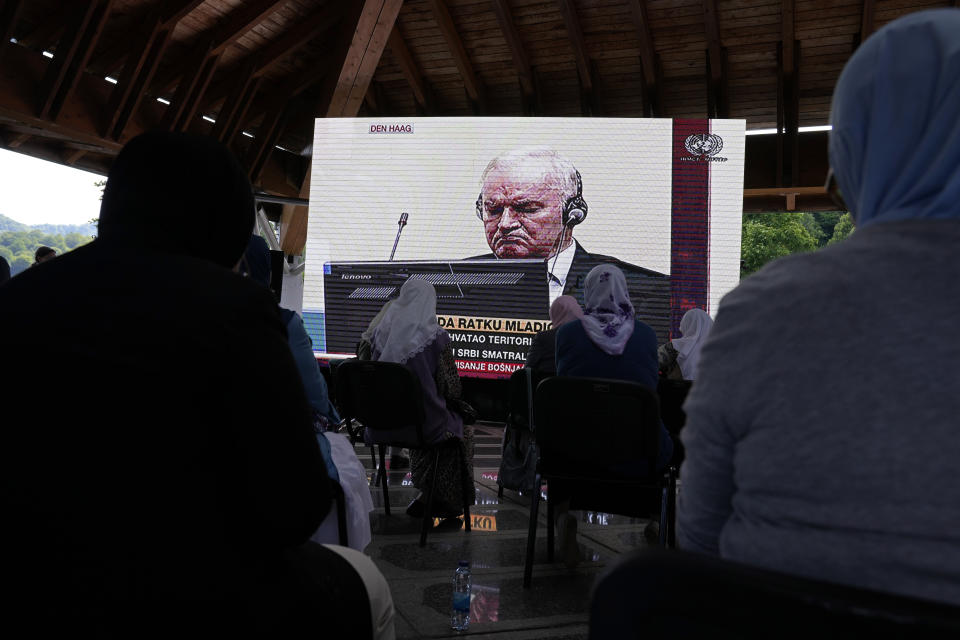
(556, 606)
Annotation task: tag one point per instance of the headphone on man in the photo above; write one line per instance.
(574, 209)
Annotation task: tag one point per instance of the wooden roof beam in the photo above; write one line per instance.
(475, 92)
(717, 100)
(60, 65)
(235, 26)
(364, 34)
(236, 104)
(58, 95)
(866, 20)
(111, 59)
(648, 54)
(584, 68)
(136, 77)
(9, 16)
(183, 107)
(409, 69)
(266, 139)
(306, 30)
(520, 59)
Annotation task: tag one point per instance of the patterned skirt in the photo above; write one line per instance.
(454, 478)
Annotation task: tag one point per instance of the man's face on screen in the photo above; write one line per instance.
(521, 212)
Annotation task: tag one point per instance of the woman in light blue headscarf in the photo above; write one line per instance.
(821, 435)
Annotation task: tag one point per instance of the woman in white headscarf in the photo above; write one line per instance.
(409, 334)
(821, 434)
(607, 342)
(680, 357)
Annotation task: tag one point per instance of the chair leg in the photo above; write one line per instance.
(468, 489)
(382, 475)
(500, 492)
(531, 535)
(550, 518)
(376, 469)
(672, 509)
(664, 497)
(428, 515)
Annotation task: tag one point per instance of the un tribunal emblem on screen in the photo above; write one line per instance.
(703, 147)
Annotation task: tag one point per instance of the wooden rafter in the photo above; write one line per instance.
(183, 107)
(60, 66)
(136, 77)
(471, 83)
(236, 25)
(520, 59)
(18, 140)
(648, 54)
(866, 19)
(236, 104)
(364, 33)
(409, 69)
(265, 141)
(72, 156)
(306, 30)
(584, 67)
(58, 96)
(9, 16)
(111, 59)
(717, 102)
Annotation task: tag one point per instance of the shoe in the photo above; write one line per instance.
(567, 540)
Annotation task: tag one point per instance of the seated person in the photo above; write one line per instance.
(679, 357)
(181, 481)
(409, 334)
(42, 254)
(340, 458)
(821, 433)
(542, 356)
(608, 342)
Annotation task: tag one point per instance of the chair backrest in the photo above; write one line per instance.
(672, 393)
(690, 595)
(595, 423)
(385, 396)
(520, 398)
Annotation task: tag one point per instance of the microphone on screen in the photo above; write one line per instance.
(401, 223)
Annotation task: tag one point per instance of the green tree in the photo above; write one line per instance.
(769, 236)
(843, 229)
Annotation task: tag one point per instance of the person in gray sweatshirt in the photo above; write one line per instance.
(823, 432)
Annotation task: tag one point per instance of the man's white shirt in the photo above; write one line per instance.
(557, 274)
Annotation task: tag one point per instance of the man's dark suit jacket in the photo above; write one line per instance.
(649, 290)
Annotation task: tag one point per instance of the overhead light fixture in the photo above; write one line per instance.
(249, 135)
(110, 80)
(819, 127)
(47, 54)
(209, 119)
(762, 132)
(162, 101)
(13, 40)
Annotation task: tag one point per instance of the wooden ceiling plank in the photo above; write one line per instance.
(233, 28)
(866, 19)
(177, 10)
(18, 140)
(575, 32)
(788, 31)
(510, 33)
(266, 140)
(86, 47)
(73, 155)
(408, 67)
(59, 66)
(449, 30)
(364, 33)
(190, 95)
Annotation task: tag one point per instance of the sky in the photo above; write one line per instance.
(34, 191)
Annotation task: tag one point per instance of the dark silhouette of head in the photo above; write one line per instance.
(42, 254)
(178, 193)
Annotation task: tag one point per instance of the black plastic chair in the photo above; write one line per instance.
(685, 595)
(519, 427)
(595, 435)
(387, 399)
(672, 394)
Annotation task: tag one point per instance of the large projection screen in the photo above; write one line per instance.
(663, 198)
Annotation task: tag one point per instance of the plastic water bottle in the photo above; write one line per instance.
(460, 617)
